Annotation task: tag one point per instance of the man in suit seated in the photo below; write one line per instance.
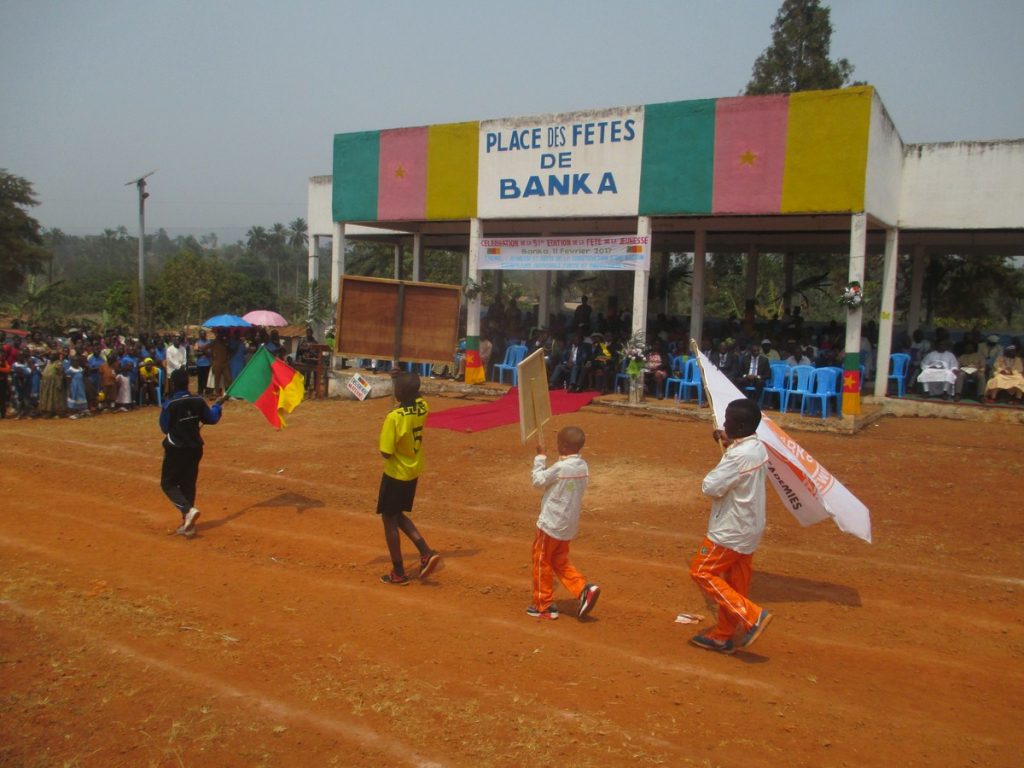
(754, 371)
(726, 360)
(576, 359)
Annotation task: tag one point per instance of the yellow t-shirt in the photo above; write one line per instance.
(402, 437)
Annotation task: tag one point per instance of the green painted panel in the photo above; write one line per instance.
(679, 157)
(356, 164)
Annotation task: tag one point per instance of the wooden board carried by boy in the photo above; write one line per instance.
(534, 400)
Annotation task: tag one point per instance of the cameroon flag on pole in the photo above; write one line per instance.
(475, 373)
(272, 385)
(851, 385)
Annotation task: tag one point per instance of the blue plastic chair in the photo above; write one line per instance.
(513, 356)
(799, 384)
(839, 385)
(899, 363)
(692, 380)
(776, 384)
(823, 387)
(678, 364)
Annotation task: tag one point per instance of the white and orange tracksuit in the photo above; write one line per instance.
(723, 566)
(564, 482)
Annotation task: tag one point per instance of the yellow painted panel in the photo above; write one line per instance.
(827, 150)
(452, 161)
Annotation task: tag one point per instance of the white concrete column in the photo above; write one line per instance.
(417, 255)
(858, 250)
(398, 261)
(888, 311)
(473, 273)
(697, 294)
(916, 289)
(313, 265)
(337, 259)
(640, 278)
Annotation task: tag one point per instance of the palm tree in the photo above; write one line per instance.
(277, 240)
(298, 239)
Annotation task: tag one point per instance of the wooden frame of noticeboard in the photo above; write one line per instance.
(397, 320)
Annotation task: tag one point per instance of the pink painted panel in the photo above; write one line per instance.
(402, 179)
(750, 154)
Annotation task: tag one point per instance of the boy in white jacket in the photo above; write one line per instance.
(723, 566)
(564, 482)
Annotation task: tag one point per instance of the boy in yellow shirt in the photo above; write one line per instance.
(401, 445)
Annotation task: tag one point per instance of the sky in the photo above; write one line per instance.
(235, 104)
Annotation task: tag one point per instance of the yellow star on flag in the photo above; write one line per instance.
(748, 158)
(849, 381)
(400, 172)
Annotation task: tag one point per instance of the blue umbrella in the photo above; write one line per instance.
(227, 321)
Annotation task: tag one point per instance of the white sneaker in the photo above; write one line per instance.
(190, 521)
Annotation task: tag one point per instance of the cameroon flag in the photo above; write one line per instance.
(272, 385)
(475, 373)
(851, 385)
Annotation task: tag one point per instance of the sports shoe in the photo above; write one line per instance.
(551, 612)
(588, 599)
(755, 631)
(190, 520)
(428, 564)
(709, 644)
(395, 579)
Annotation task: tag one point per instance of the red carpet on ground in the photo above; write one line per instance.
(503, 411)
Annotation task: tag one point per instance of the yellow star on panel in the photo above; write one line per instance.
(400, 172)
(748, 158)
(849, 381)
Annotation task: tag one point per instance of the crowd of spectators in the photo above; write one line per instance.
(80, 375)
(585, 349)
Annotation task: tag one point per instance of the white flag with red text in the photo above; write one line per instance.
(808, 490)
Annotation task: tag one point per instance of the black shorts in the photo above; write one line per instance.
(395, 496)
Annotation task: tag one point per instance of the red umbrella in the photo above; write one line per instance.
(265, 317)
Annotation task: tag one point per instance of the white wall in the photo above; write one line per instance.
(885, 165)
(963, 185)
(319, 212)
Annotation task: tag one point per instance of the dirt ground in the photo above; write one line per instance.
(268, 640)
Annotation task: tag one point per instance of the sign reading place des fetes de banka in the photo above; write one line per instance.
(569, 165)
(588, 253)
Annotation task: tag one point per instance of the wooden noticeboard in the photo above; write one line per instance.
(397, 320)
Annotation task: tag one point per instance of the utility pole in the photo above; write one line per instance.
(143, 194)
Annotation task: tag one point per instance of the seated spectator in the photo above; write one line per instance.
(754, 371)
(940, 372)
(767, 351)
(657, 369)
(726, 360)
(1007, 376)
(149, 380)
(972, 368)
(575, 362)
(797, 356)
(603, 368)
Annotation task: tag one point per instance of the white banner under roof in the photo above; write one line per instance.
(589, 253)
(574, 164)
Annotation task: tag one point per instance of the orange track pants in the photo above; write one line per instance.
(551, 558)
(724, 575)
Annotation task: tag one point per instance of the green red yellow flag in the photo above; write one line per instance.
(272, 385)
(475, 373)
(851, 385)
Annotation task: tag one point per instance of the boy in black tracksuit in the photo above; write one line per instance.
(181, 418)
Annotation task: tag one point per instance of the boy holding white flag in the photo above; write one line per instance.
(722, 568)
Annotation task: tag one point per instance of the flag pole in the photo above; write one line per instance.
(533, 405)
(707, 392)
